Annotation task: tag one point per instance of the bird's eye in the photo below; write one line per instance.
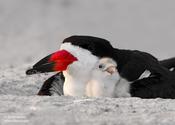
(101, 66)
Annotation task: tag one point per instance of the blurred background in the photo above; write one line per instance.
(31, 29)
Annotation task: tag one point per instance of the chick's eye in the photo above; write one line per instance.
(101, 66)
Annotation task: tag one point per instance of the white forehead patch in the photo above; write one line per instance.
(81, 54)
(75, 50)
(86, 60)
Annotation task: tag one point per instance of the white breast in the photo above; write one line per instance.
(78, 74)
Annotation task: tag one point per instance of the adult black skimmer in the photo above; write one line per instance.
(76, 59)
(79, 55)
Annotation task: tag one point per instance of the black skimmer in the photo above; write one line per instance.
(76, 59)
(78, 56)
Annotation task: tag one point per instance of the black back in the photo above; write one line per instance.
(97, 46)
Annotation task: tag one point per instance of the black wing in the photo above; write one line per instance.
(136, 63)
(53, 86)
(154, 87)
(159, 86)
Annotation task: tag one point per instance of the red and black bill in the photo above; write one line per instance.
(58, 61)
